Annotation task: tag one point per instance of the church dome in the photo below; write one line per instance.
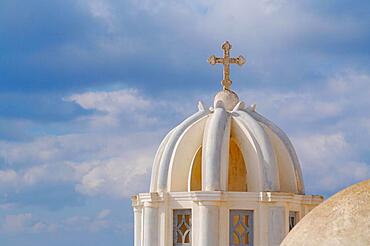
(344, 219)
(228, 147)
(224, 176)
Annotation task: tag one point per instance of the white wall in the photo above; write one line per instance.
(210, 214)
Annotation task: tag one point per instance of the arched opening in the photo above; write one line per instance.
(237, 173)
(196, 172)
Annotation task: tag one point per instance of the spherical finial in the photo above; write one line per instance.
(229, 98)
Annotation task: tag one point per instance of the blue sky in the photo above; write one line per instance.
(89, 87)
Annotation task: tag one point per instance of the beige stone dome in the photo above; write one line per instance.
(344, 219)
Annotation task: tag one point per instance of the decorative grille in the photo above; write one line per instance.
(182, 227)
(241, 228)
(293, 219)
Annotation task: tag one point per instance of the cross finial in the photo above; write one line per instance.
(226, 61)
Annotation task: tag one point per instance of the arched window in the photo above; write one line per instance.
(196, 172)
(237, 173)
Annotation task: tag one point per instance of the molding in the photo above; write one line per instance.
(154, 199)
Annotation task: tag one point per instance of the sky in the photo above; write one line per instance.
(88, 88)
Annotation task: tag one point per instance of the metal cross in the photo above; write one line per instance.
(226, 61)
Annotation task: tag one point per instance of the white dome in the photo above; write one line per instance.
(198, 152)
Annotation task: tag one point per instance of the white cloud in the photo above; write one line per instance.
(103, 214)
(328, 162)
(40, 227)
(343, 96)
(7, 176)
(106, 162)
(117, 177)
(95, 223)
(48, 149)
(268, 29)
(322, 149)
(15, 181)
(329, 127)
(16, 222)
(111, 102)
(350, 83)
(101, 161)
(293, 106)
(103, 11)
(253, 23)
(27, 222)
(105, 165)
(116, 106)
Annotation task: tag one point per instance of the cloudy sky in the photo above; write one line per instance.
(89, 87)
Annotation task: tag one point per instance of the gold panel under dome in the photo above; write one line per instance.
(196, 172)
(237, 173)
(237, 177)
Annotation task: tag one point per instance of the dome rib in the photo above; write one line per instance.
(185, 149)
(156, 162)
(251, 153)
(288, 144)
(269, 164)
(216, 150)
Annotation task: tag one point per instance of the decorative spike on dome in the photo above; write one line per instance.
(201, 106)
(239, 106)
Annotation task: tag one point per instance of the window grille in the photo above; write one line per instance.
(241, 228)
(182, 227)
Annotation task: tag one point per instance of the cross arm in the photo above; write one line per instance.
(240, 60)
(213, 60)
